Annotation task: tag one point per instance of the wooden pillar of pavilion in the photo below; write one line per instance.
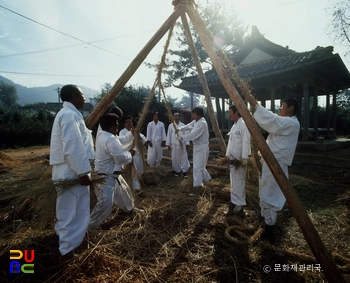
(306, 112)
(328, 115)
(315, 108)
(218, 111)
(272, 95)
(223, 109)
(334, 114)
(300, 100)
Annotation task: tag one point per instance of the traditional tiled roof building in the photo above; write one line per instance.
(277, 72)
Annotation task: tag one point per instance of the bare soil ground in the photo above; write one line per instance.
(179, 238)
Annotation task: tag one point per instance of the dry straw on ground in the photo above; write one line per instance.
(176, 239)
(38, 198)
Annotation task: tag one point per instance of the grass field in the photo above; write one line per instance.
(179, 238)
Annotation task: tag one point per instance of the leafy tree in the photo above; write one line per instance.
(104, 90)
(340, 25)
(228, 30)
(131, 100)
(34, 122)
(343, 112)
(8, 95)
(185, 101)
(343, 99)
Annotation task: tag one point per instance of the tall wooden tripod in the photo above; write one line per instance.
(183, 7)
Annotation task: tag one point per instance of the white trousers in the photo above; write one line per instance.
(136, 180)
(200, 159)
(271, 197)
(155, 153)
(138, 162)
(108, 194)
(237, 180)
(123, 197)
(179, 158)
(103, 208)
(137, 170)
(72, 216)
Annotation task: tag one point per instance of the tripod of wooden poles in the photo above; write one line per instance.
(221, 64)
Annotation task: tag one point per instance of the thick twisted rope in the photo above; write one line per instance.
(239, 234)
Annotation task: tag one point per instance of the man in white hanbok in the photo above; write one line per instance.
(237, 152)
(110, 157)
(178, 148)
(283, 132)
(156, 139)
(126, 135)
(71, 151)
(199, 135)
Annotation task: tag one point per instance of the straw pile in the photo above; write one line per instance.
(33, 195)
(178, 238)
(7, 162)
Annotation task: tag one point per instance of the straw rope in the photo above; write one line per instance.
(238, 229)
(159, 77)
(239, 234)
(130, 168)
(161, 65)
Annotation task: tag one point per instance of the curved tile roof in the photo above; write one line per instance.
(284, 60)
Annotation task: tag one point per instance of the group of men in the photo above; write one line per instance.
(72, 151)
(71, 154)
(283, 135)
(177, 140)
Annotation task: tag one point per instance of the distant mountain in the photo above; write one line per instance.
(29, 95)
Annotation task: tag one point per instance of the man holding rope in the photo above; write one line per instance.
(156, 139)
(237, 152)
(127, 139)
(283, 138)
(199, 134)
(178, 149)
(110, 157)
(71, 150)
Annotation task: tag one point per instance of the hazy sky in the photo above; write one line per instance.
(122, 28)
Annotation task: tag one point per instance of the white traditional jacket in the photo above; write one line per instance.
(239, 141)
(284, 132)
(126, 137)
(171, 136)
(156, 132)
(71, 141)
(199, 132)
(110, 155)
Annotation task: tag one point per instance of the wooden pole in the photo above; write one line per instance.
(320, 252)
(334, 114)
(306, 111)
(131, 69)
(204, 83)
(315, 107)
(272, 95)
(328, 115)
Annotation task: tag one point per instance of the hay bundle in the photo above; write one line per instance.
(34, 195)
(344, 198)
(154, 176)
(7, 162)
(297, 180)
(6, 159)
